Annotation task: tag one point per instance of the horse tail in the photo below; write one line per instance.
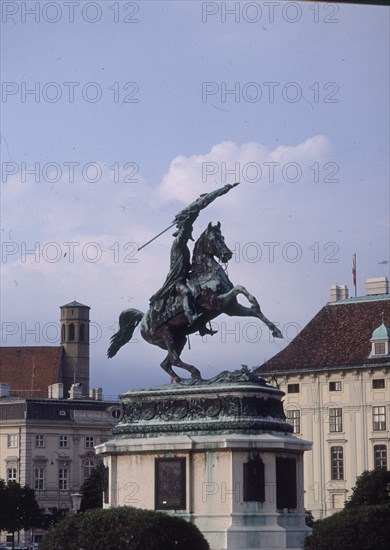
(128, 321)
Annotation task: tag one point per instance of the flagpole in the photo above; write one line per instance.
(354, 273)
(32, 375)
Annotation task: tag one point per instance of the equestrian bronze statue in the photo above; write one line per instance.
(196, 290)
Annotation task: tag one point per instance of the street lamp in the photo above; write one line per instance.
(76, 502)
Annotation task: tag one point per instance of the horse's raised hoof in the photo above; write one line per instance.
(276, 333)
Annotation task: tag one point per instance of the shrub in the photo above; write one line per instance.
(363, 528)
(309, 518)
(124, 527)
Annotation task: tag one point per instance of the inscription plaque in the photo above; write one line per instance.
(170, 483)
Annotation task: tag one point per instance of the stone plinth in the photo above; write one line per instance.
(218, 453)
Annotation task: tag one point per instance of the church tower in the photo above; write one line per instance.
(75, 344)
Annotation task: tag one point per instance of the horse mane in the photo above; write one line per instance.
(200, 245)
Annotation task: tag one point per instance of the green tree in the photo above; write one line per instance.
(359, 528)
(124, 527)
(49, 519)
(364, 523)
(370, 488)
(18, 508)
(93, 488)
(309, 518)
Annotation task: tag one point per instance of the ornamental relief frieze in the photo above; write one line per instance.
(246, 426)
(202, 408)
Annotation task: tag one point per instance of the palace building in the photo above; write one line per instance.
(335, 375)
(50, 420)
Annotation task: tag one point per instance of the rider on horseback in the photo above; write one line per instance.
(175, 285)
(172, 315)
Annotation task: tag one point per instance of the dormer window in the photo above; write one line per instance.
(379, 348)
(380, 341)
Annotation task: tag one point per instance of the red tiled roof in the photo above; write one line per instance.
(30, 368)
(338, 336)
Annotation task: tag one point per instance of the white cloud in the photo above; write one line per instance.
(250, 163)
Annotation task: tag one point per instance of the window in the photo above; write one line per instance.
(12, 440)
(170, 483)
(89, 465)
(39, 476)
(292, 388)
(294, 418)
(254, 486)
(286, 482)
(89, 442)
(116, 413)
(378, 418)
(378, 384)
(71, 332)
(379, 348)
(64, 441)
(63, 479)
(335, 420)
(82, 332)
(380, 457)
(11, 474)
(335, 386)
(39, 440)
(336, 463)
(63, 333)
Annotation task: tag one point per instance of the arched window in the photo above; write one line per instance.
(82, 332)
(71, 331)
(63, 333)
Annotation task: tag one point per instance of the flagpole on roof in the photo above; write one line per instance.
(32, 375)
(354, 273)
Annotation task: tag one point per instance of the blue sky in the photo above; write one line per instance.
(137, 113)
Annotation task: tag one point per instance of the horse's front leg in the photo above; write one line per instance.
(238, 289)
(233, 308)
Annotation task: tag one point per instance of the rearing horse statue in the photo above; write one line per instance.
(212, 293)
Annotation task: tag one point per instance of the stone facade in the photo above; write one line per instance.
(48, 444)
(336, 377)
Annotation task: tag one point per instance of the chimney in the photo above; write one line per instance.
(378, 285)
(338, 292)
(76, 391)
(96, 394)
(56, 391)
